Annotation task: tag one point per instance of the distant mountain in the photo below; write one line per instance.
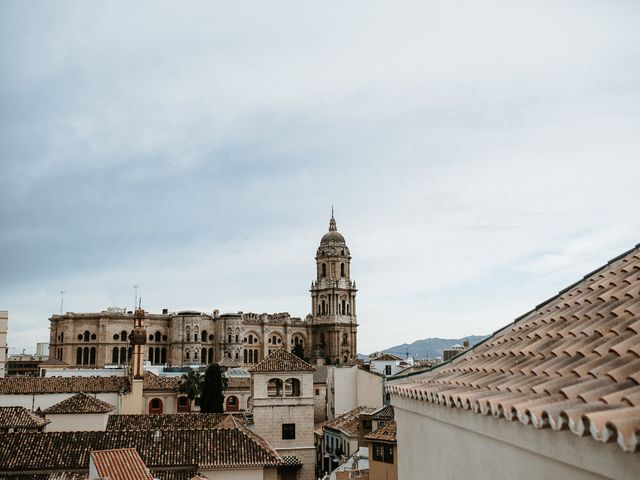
(431, 347)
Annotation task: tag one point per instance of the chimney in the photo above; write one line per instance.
(165, 311)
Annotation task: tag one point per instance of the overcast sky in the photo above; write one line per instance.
(481, 156)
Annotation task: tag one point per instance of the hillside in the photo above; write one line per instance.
(431, 347)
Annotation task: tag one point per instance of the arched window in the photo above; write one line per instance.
(188, 331)
(318, 309)
(324, 307)
(157, 336)
(210, 356)
(79, 356)
(114, 355)
(245, 357)
(324, 270)
(92, 358)
(156, 356)
(344, 307)
(292, 387)
(186, 354)
(163, 358)
(342, 269)
(196, 334)
(150, 356)
(85, 356)
(274, 387)
(86, 336)
(203, 356)
(232, 404)
(123, 335)
(250, 339)
(155, 406)
(255, 356)
(203, 336)
(62, 337)
(123, 355)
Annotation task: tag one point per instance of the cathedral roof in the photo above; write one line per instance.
(572, 363)
(282, 361)
(332, 238)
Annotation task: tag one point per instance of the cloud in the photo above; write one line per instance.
(480, 157)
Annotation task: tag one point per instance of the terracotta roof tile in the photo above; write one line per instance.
(282, 361)
(80, 403)
(348, 422)
(151, 381)
(42, 385)
(68, 451)
(386, 433)
(177, 421)
(573, 362)
(120, 464)
(20, 418)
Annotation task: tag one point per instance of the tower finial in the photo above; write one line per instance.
(332, 222)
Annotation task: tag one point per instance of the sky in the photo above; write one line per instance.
(481, 156)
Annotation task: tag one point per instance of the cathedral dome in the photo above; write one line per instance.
(333, 242)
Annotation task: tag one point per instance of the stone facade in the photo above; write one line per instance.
(327, 335)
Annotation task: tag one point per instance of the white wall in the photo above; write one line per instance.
(352, 387)
(77, 422)
(235, 474)
(441, 442)
(32, 402)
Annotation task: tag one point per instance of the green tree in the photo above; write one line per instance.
(212, 400)
(191, 384)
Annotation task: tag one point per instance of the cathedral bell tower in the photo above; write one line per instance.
(333, 301)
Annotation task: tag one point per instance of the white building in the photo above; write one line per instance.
(555, 394)
(350, 387)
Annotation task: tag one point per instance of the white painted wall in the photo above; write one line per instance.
(351, 387)
(32, 402)
(441, 442)
(77, 422)
(235, 474)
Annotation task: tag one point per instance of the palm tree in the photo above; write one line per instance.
(191, 384)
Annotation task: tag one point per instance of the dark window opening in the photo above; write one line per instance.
(288, 431)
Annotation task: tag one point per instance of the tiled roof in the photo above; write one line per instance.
(383, 413)
(282, 361)
(386, 433)
(386, 357)
(67, 451)
(229, 363)
(46, 476)
(20, 417)
(80, 403)
(151, 381)
(42, 385)
(120, 464)
(177, 421)
(348, 422)
(572, 362)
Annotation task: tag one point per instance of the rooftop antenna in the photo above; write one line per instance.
(135, 301)
(62, 294)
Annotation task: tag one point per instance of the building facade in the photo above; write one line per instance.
(327, 335)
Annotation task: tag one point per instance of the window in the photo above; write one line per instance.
(367, 424)
(324, 270)
(155, 406)
(288, 431)
(342, 269)
(317, 391)
(157, 336)
(86, 336)
(383, 452)
(116, 337)
(184, 405)
(387, 369)
(123, 335)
